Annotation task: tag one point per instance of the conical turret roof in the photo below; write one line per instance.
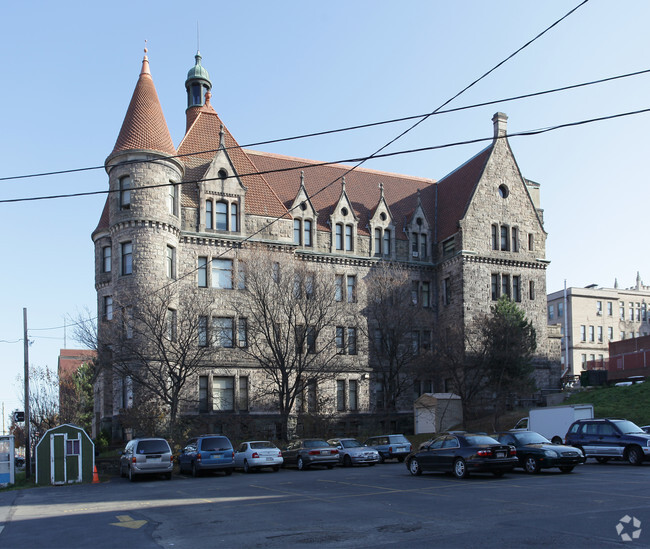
(144, 125)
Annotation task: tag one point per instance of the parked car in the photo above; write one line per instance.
(352, 452)
(461, 454)
(307, 452)
(606, 439)
(207, 453)
(146, 456)
(257, 454)
(390, 446)
(536, 452)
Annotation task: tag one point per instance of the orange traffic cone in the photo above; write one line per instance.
(95, 476)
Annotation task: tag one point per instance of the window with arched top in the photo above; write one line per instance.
(208, 214)
(387, 242)
(234, 223)
(378, 241)
(307, 232)
(221, 216)
(339, 236)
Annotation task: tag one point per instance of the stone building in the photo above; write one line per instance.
(593, 317)
(191, 210)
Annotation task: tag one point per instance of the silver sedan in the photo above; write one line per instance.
(352, 452)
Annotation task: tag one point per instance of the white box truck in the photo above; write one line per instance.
(554, 422)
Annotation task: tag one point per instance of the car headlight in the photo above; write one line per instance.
(550, 453)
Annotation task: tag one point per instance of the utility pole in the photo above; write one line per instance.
(26, 348)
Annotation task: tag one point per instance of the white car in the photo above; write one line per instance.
(257, 454)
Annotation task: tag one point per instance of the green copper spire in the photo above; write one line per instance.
(197, 83)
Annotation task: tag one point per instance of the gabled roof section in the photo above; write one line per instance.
(455, 192)
(362, 187)
(199, 147)
(144, 125)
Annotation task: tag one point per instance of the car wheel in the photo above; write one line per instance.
(302, 466)
(195, 471)
(347, 461)
(131, 475)
(228, 472)
(634, 455)
(414, 467)
(460, 468)
(602, 459)
(556, 440)
(531, 465)
(381, 457)
(247, 468)
(566, 469)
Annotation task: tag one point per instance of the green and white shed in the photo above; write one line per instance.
(65, 454)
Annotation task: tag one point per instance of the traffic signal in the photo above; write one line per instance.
(19, 417)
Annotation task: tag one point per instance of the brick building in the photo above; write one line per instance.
(467, 239)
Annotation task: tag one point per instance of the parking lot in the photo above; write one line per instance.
(380, 506)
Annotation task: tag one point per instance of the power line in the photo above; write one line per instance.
(349, 128)
(524, 133)
(376, 154)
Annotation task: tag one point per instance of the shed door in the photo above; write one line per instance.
(57, 458)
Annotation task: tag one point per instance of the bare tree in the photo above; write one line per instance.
(457, 361)
(394, 324)
(43, 401)
(157, 344)
(292, 316)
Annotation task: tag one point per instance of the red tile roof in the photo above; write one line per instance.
(455, 192)
(323, 184)
(204, 135)
(144, 125)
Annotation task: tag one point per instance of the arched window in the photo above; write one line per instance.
(125, 193)
(208, 214)
(377, 241)
(233, 218)
(221, 216)
(339, 236)
(307, 229)
(387, 242)
(296, 231)
(348, 238)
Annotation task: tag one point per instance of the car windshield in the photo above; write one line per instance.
(628, 428)
(351, 443)
(261, 445)
(314, 443)
(399, 439)
(531, 438)
(153, 447)
(479, 440)
(215, 443)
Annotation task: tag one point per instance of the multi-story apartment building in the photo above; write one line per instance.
(591, 318)
(466, 240)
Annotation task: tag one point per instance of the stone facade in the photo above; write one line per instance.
(166, 216)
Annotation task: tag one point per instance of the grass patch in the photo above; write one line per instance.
(631, 402)
(20, 482)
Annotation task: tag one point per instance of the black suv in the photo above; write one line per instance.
(606, 439)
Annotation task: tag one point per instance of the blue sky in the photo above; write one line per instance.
(286, 68)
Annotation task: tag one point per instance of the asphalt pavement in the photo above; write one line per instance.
(381, 506)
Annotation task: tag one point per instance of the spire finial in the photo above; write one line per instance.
(381, 190)
(222, 141)
(302, 178)
(343, 184)
(145, 61)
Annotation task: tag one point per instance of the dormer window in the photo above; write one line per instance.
(296, 231)
(348, 238)
(302, 232)
(339, 236)
(307, 232)
(125, 193)
(221, 215)
(415, 239)
(386, 241)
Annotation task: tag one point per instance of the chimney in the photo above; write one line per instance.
(500, 120)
